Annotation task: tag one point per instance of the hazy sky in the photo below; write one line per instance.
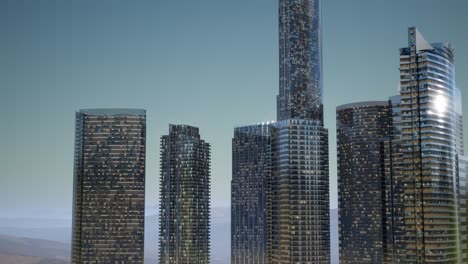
(208, 63)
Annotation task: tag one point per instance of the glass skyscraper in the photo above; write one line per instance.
(299, 216)
(291, 156)
(424, 214)
(361, 127)
(184, 236)
(298, 198)
(109, 186)
(251, 164)
(428, 121)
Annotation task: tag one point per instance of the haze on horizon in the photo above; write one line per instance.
(210, 63)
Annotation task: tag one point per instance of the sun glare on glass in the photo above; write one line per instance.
(440, 104)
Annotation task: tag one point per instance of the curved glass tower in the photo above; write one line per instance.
(429, 131)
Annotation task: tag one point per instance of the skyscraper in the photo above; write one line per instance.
(299, 216)
(109, 186)
(424, 172)
(296, 170)
(428, 121)
(251, 163)
(184, 198)
(427, 90)
(361, 127)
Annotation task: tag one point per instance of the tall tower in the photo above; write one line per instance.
(185, 197)
(251, 162)
(361, 127)
(290, 155)
(300, 60)
(429, 168)
(109, 186)
(298, 198)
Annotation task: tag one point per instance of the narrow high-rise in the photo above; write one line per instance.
(429, 167)
(251, 162)
(361, 128)
(109, 186)
(300, 60)
(184, 233)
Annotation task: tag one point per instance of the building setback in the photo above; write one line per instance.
(251, 164)
(109, 186)
(361, 127)
(184, 233)
(297, 193)
(298, 209)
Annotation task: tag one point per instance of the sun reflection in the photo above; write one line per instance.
(440, 104)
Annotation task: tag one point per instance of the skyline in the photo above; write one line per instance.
(219, 133)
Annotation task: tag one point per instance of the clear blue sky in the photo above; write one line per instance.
(208, 63)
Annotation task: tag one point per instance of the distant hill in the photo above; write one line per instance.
(16, 250)
(10, 259)
(51, 237)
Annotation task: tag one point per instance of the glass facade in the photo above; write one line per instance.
(184, 236)
(393, 188)
(109, 186)
(300, 60)
(296, 171)
(428, 122)
(463, 176)
(298, 198)
(251, 161)
(361, 127)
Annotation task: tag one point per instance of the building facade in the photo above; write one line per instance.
(184, 233)
(298, 209)
(298, 198)
(251, 162)
(109, 186)
(393, 188)
(297, 174)
(463, 197)
(300, 60)
(361, 127)
(429, 168)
